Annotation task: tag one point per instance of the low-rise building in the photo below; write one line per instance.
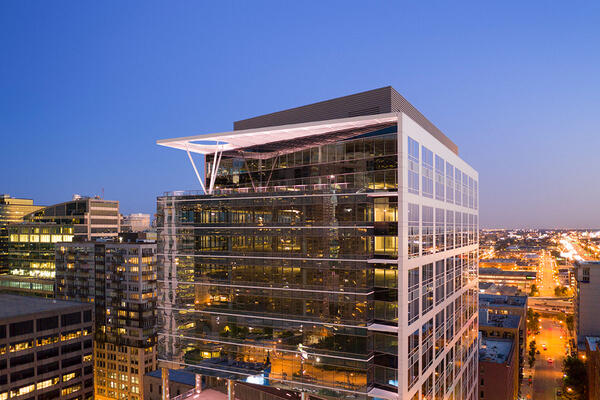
(520, 279)
(498, 372)
(505, 326)
(45, 349)
(509, 305)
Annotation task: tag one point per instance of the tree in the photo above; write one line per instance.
(575, 381)
(560, 291)
(534, 291)
(533, 321)
(570, 323)
(532, 350)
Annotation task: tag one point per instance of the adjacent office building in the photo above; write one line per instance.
(45, 349)
(120, 280)
(29, 259)
(587, 300)
(333, 251)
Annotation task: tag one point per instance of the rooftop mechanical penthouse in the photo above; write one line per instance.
(332, 251)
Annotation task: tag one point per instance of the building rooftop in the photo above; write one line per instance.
(373, 108)
(176, 375)
(498, 289)
(498, 271)
(13, 305)
(499, 261)
(495, 350)
(498, 320)
(593, 342)
(500, 300)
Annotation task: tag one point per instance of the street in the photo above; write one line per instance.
(545, 275)
(547, 376)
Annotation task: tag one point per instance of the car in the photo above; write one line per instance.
(550, 361)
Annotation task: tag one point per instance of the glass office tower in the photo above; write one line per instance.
(335, 257)
(27, 252)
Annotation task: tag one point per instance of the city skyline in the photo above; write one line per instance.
(512, 84)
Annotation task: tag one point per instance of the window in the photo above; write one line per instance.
(427, 171)
(427, 344)
(71, 319)
(413, 166)
(413, 358)
(439, 178)
(439, 281)
(465, 190)
(413, 295)
(440, 228)
(457, 186)
(47, 323)
(21, 328)
(427, 287)
(440, 329)
(427, 230)
(585, 276)
(414, 240)
(449, 230)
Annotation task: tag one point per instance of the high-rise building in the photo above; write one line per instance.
(91, 217)
(120, 280)
(29, 260)
(12, 210)
(586, 300)
(333, 251)
(45, 349)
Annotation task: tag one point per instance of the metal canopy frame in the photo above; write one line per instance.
(273, 141)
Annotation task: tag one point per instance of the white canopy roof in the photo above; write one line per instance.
(211, 143)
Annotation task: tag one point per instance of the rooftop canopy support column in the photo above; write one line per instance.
(215, 168)
(195, 169)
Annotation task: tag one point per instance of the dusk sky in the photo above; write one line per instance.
(86, 89)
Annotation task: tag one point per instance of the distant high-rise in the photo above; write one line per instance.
(12, 210)
(120, 280)
(29, 259)
(45, 349)
(333, 252)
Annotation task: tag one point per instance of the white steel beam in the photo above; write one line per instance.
(195, 170)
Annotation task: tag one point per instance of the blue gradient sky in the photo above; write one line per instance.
(86, 88)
